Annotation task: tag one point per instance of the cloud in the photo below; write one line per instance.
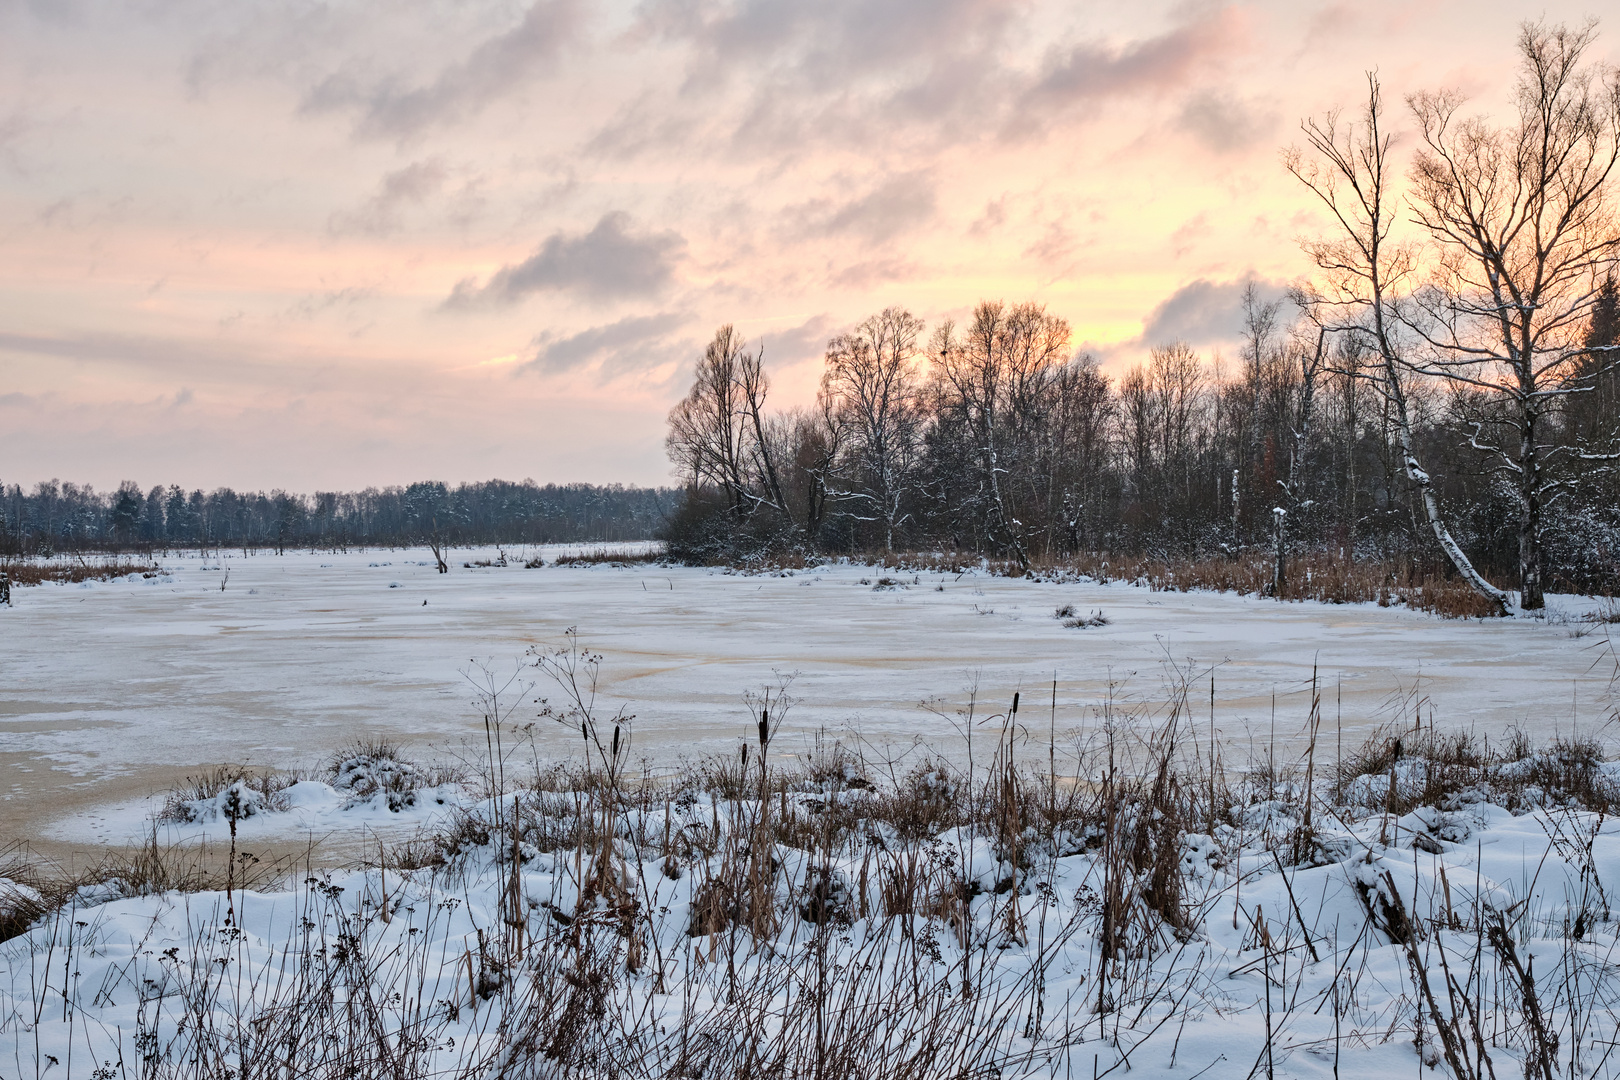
(797, 344)
(12, 130)
(381, 214)
(641, 344)
(865, 275)
(993, 218)
(622, 346)
(1085, 73)
(1055, 244)
(782, 78)
(776, 76)
(1189, 232)
(611, 261)
(493, 69)
(204, 360)
(895, 206)
(826, 43)
(345, 299)
(1205, 312)
(1223, 123)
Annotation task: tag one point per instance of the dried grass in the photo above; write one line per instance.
(73, 571)
(805, 849)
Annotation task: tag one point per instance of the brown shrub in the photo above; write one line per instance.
(1316, 575)
(71, 572)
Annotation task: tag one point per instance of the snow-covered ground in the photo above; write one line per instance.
(504, 969)
(113, 691)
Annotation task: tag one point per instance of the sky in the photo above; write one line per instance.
(332, 245)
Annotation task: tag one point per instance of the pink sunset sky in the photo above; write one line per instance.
(333, 245)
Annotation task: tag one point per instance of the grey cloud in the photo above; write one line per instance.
(314, 304)
(12, 130)
(1055, 244)
(835, 39)
(782, 76)
(1090, 71)
(62, 12)
(807, 341)
(864, 275)
(857, 68)
(993, 218)
(610, 261)
(895, 206)
(621, 346)
(493, 69)
(639, 126)
(898, 205)
(409, 186)
(1204, 311)
(58, 211)
(1224, 123)
(201, 360)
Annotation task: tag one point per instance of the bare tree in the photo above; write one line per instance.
(1159, 405)
(1076, 447)
(764, 449)
(814, 444)
(1312, 360)
(1178, 386)
(709, 428)
(1138, 425)
(995, 378)
(1260, 325)
(1364, 274)
(871, 381)
(1523, 226)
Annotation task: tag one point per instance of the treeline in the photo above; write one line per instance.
(994, 437)
(58, 516)
(1445, 387)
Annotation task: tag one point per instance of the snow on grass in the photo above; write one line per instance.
(943, 925)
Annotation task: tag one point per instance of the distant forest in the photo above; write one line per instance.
(58, 516)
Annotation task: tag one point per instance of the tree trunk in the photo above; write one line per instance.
(1417, 475)
(1279, 577)
(1237, 506)
(1431, 503)
(1531, 597)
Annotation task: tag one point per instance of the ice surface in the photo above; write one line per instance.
(115, 692)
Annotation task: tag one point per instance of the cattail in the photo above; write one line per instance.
(615, 741)
(764, 727)
(1015, 703)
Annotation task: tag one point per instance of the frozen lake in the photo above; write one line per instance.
(112, 691)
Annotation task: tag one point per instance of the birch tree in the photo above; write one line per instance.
(1521, 219)
(1364, 272)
